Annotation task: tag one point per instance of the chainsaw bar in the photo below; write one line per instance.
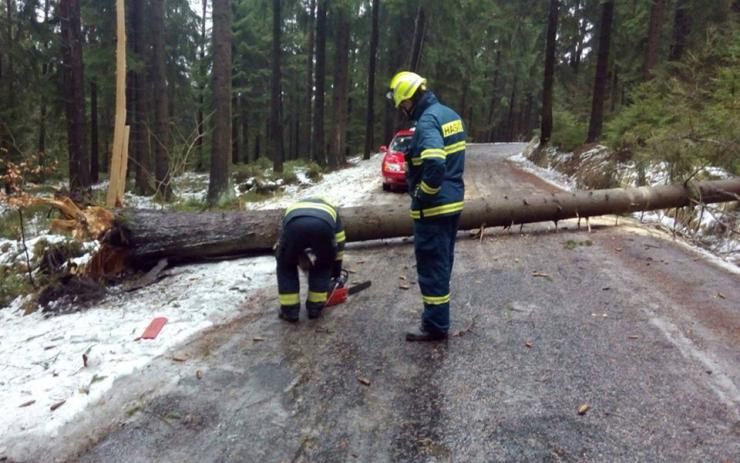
(354, 289)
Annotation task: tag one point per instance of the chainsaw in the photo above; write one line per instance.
(338, 292)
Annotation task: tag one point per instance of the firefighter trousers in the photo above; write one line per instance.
(299, 234)
(434, 245)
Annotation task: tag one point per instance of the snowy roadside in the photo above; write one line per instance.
(41, 365)
(347, 187)
(658, 175)
(43, 381)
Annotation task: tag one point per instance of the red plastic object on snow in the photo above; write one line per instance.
(154, 328)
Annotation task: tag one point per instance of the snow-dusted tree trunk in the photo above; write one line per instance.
(150, 235)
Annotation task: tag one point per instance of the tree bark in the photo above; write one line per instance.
(220, 159)
(552, 28)
(235, 158)
(417, 46)
(182, 237)
(512, 102)
(318, 148)
(370, 118)
(94, 145)
(311, 27)
(653, 39)
(494, 96)
(526, 116)
(601, 77)
(143, 181)
(681, 30)
(10, 74)
(74, 95)
(161, 123)
(276, 124)
(245, 129)
(341, 77)
(201, 164)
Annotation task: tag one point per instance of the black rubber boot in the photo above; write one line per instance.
(421, 335)
(314, 309)
(289, 313)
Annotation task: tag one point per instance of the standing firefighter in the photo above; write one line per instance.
(314, 224)
(435, 159)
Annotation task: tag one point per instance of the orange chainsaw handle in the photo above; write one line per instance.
(337, 296)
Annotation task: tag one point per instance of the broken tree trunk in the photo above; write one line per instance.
(147, 236)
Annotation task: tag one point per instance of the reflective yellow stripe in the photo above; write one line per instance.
(433, 153)
(436, 299)
(451, 128)
(340, 255)
(455, 147)
(429, 190)
(308, 205)
(289, 299)
(439, 210)
(416, 161)
(316, 297)
(340, 236)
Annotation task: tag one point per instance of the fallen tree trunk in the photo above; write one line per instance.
(147, 236)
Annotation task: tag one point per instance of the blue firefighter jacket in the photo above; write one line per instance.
(436, 160)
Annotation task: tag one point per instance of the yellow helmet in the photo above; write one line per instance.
(404, 85)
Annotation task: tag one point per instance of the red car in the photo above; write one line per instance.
(393, 169)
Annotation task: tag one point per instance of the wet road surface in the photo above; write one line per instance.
(623, 320)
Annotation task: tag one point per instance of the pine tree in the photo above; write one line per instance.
(220, 155)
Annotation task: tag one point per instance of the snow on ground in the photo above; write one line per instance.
(363, 175)
(724, 250)
(41, 358)
(551, 176)
(12, 251)
(41, 363)
(347, 187)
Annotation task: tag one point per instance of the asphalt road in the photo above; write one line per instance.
(622, 320)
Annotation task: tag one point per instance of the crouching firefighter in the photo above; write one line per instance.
(435, 160)
(311, 224)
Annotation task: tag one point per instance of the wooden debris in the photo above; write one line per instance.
(178, 358)
(152, 276)
(57, 405)
(258, 339)
(363, 380)
(468, 329)
(529, 344)
(633, 337)
(540, 274)
(26, 404)
(583, 409)
(84, 224)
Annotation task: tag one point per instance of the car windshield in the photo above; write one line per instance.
(401, 143)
